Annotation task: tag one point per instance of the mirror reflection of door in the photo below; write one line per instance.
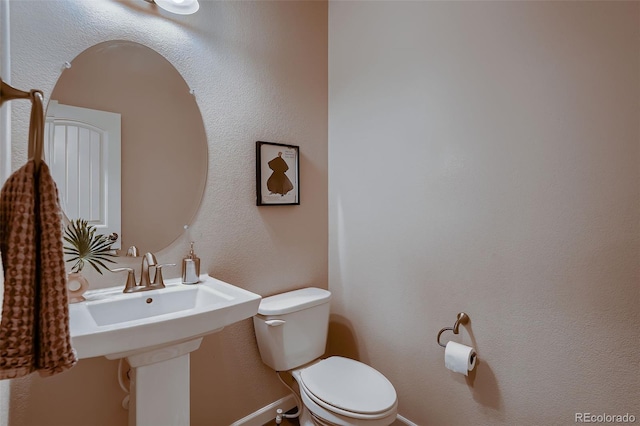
(82, 148)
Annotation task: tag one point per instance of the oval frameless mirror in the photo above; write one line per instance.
(163, 159)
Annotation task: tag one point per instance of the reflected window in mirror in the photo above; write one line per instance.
(82, 148)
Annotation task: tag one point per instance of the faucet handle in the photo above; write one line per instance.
(131, 279)
(158, 280)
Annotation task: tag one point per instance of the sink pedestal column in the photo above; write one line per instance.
(160, 385)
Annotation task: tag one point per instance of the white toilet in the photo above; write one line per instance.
(291, 329)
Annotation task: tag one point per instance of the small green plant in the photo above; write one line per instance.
(86, 246)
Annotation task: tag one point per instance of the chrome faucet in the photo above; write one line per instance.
(146, 283)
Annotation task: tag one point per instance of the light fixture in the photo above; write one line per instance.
(181, 7)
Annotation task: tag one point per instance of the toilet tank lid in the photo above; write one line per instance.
(293, 301)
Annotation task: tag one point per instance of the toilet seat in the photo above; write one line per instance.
(348, 388)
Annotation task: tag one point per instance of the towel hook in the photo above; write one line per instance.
(462, 318)
(8, 93)
(36, 124)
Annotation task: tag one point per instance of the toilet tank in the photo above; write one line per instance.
(291, 328)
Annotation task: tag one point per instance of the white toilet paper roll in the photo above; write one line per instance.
(459, 358)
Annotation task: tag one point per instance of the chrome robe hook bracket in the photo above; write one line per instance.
(462, 318)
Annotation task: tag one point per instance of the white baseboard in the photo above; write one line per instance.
(405, 421)
(268, 413)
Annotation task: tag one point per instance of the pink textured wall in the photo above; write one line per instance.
(485, 157)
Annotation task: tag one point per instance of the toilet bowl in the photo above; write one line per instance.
(291, 330)
(341, 391)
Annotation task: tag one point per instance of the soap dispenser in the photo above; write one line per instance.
(191, 268)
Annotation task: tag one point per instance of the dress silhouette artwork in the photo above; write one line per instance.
(278, 182)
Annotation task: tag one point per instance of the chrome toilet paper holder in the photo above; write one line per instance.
(462, 318)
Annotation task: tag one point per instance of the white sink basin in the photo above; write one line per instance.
(114, 324)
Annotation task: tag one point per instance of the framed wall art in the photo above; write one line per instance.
(277, 174)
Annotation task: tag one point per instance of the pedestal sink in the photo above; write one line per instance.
(156, 330)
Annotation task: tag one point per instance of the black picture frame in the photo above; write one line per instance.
(277, 174)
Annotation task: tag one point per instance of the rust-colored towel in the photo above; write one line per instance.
(34, 332)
